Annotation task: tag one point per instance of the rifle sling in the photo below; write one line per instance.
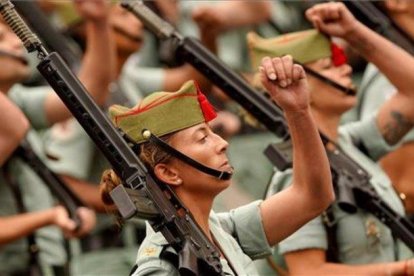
(32, 248)
(331, 227)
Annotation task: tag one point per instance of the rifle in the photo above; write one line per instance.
(63, 193)
(351, 181)
(371, 15)
(51, 37)
(140, 189)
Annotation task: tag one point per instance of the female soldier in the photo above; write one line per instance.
(364, 244)
(181, 119)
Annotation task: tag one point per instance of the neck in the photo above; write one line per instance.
(200, 207)
(327, 123)
(120, 63)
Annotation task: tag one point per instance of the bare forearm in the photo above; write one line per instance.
(99, 62)
(311, 173)
(311, 190)
(242, 13)
(396, 64)
(18, 226)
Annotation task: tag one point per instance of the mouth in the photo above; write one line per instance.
(226, 166)
(18, 57)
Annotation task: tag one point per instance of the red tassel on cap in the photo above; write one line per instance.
(206, 107)
(338, 55)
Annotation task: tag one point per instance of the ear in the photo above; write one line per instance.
(396, 5)
(167, 174)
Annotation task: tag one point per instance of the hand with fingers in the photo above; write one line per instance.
(93, 10)
(68, 226)
(286, 83)
(332, 18)
(209, 18)
(62, 220)
(88, 219)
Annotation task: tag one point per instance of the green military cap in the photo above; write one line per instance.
(304, 46)
(68, 14)
(164, 112)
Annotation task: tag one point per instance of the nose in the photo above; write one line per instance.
(346, 70)
(222, 144)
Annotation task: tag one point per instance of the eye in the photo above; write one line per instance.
(203, 139)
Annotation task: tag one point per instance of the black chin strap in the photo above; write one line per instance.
(341, 88)
(222, 175)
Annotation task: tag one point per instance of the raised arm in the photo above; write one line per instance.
(396, 117)
(232, 14)
(12, 129)
(99, 62)
(311, 191)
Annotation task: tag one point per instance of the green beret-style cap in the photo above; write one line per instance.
(304, 46)
(164, 112)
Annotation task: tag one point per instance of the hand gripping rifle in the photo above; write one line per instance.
(59, 189)
(376, 19)
(141, 193)
(351, 181)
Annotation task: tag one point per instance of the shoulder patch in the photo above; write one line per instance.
(151, 251)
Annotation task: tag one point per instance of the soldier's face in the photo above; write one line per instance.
(128, 30)
(13, 67)
(325, 96)
(203, 145)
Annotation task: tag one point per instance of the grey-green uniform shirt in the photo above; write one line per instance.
(36, 196)
(361, 237)
(239, 233)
